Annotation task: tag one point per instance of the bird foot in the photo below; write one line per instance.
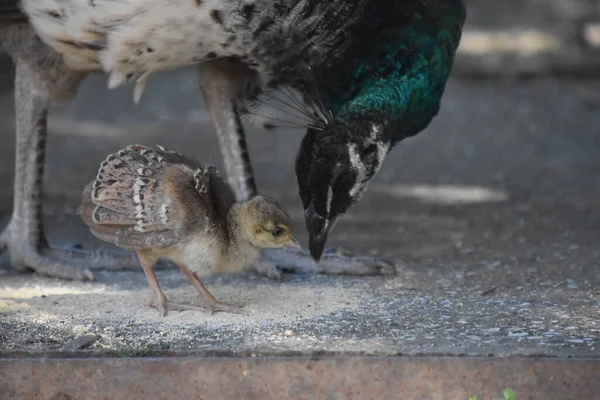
(166, 305)
(274, 272)
(332, 263)
(220, 307)
(338, 251)
(24, 257)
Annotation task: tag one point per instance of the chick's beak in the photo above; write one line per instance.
(294, 244)
(318, 229)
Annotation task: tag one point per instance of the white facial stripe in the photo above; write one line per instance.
(329, 198)
(382, 150)
(375, 129)
(382, 147)
(362, 180)
(362, 171)
(359, 167)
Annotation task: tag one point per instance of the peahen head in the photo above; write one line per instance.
(387, 86)
(334, 167)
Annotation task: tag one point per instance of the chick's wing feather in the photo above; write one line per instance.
(142, 198)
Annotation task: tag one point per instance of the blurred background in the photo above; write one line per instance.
(509, 168)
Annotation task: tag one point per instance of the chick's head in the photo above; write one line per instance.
(267, 224)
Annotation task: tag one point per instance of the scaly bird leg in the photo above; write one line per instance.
(222, 83)
(160, 300)
(24, 236)
(208, 300)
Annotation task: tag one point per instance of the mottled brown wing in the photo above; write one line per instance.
(11, 12)
(136, 202)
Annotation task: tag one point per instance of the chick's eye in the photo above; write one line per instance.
(277, 232)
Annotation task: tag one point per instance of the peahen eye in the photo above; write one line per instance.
(369, 151)
(277, 232)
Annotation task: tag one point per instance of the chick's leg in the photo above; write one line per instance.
(24, 235)
(222, 82)
(160, 300)
(208, 300)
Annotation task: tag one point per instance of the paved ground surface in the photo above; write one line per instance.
(491, 215)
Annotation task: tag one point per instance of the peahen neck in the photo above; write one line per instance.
(399, 76)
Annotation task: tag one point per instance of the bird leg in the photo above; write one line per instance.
(160, 300)
(41, 76)
(222, 83)
(24, 235)
(208, 300)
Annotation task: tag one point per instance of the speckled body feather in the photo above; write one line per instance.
(130, 37)
(352, 45)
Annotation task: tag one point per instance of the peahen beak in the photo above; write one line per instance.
(318, 229)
